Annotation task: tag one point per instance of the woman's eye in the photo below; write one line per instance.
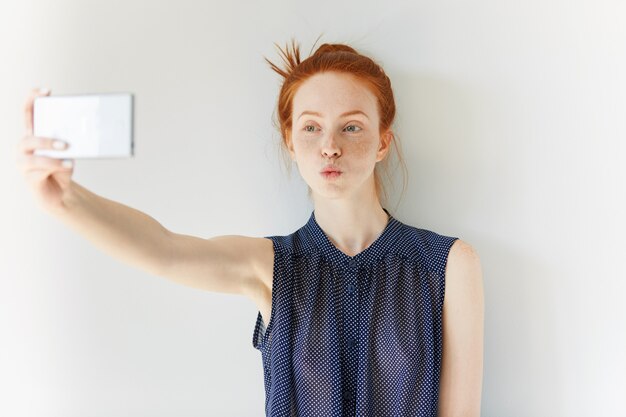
(311, 128)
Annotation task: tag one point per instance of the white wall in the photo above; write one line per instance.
(512, 121)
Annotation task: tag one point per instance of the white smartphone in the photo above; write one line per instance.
(94, 125)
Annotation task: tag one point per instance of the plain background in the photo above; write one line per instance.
(512, 121)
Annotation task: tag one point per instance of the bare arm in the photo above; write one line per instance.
(123, 232)
(227, 264)
(463, 315)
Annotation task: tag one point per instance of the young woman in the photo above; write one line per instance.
(359, 313)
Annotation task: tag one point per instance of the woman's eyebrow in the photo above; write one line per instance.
(348, 113)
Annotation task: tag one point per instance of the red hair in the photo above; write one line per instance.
(340, 58)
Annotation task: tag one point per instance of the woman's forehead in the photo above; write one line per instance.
(333, 94)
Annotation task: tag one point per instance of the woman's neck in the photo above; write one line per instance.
(351, 228)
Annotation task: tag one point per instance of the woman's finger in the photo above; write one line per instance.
(35, 163)
(29, 143)
(28, 106)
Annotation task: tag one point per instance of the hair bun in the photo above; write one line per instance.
(334, 47)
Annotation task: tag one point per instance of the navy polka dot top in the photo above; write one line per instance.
(354, 335)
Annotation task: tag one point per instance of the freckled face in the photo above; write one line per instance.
(351, 142)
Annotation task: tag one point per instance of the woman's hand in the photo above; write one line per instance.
(47, 177)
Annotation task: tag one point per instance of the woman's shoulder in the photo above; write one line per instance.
(426, 239)
(446, 256)
(463, 260)
(434, 248)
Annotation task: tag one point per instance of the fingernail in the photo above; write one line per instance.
(57, 144)
(44, 90)
(67, 163)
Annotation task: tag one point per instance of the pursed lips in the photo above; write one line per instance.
(330, 168)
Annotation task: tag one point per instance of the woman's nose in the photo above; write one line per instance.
(330, 146)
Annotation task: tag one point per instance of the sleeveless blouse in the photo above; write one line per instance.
(354, 335)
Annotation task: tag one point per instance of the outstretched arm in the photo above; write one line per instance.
(230, 264)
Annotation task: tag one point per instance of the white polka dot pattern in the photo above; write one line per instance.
(354, 336)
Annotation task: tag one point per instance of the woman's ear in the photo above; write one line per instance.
(289, 143)
(385, 144)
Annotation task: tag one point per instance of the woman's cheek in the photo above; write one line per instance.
(361, 149)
